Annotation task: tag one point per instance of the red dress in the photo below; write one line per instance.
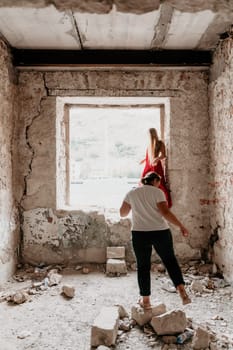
(158, 168)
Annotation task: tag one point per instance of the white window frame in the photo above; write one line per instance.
(63, 105)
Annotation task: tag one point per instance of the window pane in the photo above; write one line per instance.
(106, 146)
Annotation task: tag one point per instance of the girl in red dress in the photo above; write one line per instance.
(155, 154)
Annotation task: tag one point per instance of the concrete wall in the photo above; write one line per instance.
(52, 235)
(221, 145)
(9, 227)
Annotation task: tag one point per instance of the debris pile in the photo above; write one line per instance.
(164, 328)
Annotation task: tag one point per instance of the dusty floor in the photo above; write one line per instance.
(50, 321)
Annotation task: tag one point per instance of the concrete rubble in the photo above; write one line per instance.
(39, 278)
(201, 338)
(141, 317)
(107, 330)
(164, 326)
(169, 323)
(105, 326)
(158, 324)
(68, 291)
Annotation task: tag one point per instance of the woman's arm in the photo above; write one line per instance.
(169, 216)
(162, 153)
(142, 161)
(125, 209)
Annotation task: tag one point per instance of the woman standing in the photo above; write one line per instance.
(150, 229)
(155, 155)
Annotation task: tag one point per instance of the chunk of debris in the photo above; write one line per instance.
(19, 297)
(205, 268)
(85, 270)
(68, 291)
(197, 286)
(143, 316)
(201, 339)
(105, 327)
(36, 284)
(54, 278)
(125, 325)
(122, 312)
(169, 339)
(169, 323)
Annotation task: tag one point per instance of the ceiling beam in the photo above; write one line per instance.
(23, 58)
(162, 27)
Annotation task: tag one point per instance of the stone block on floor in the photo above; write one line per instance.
(169, 323)
(142, 316)
(115, 252)
(105, 326)
(116, 267)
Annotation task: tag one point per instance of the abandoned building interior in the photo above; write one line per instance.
(173, 58)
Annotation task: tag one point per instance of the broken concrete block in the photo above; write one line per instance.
(115, 252)
(197, 286)
(19, 297)
(169, 339)
(69, 291)
(125, 325)
(105, 327)
(142, 316)
(169, 323)
(54, 278)
(201, 339)
(122, 312)
(213, 346)
(116, 267)
(85, 270)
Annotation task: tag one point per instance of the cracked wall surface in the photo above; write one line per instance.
(9, 227)
(65, 237)
(221, 183)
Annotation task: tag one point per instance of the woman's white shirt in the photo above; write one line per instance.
(145, 214)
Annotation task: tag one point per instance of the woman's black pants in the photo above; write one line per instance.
(143, 241)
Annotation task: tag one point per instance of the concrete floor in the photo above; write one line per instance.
(49, 321)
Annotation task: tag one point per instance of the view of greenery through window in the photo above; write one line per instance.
(106, 146)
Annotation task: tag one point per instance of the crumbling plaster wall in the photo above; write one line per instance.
(50, 235)
(221, 196)
(9, 224)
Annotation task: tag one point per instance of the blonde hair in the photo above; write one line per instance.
(154, 144)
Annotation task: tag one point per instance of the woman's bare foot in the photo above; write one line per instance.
(184, 296)
(144, 302)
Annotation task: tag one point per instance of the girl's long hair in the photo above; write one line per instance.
(154, 144)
